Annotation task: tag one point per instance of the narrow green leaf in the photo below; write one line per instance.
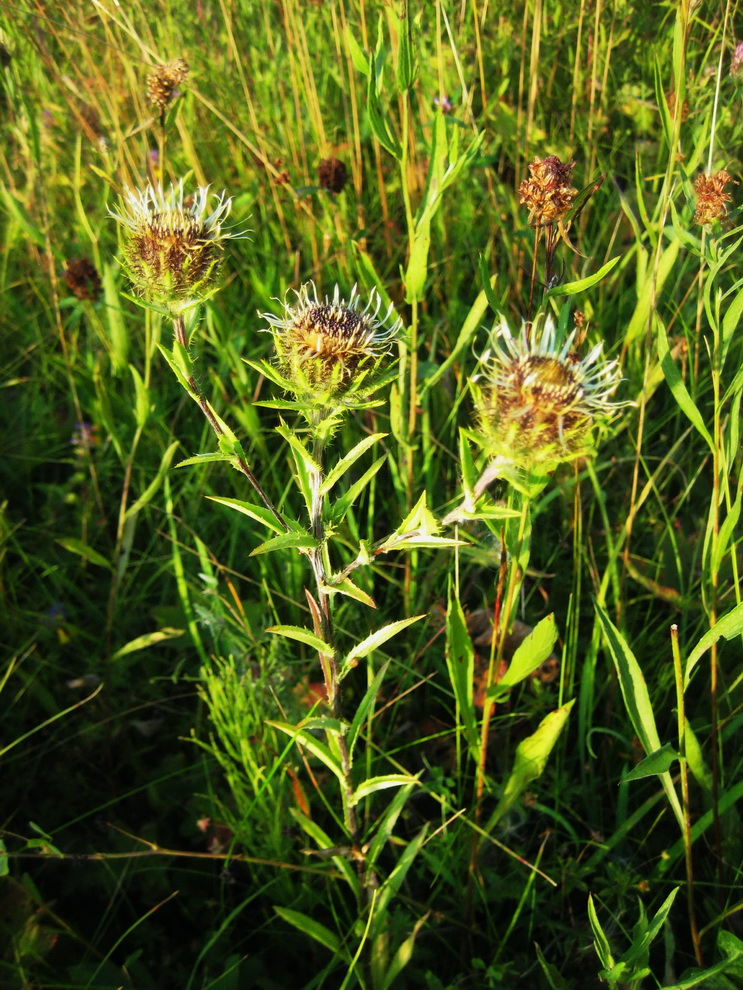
(377, 639)
(695, 759)
(305, 636)
(385, 824)
(581, 284)
(729, 625)
(285, 541)
(151, 490)
(337, 472)
(341, 506)
(366, 705)
(204, 459)
(326, 849)
(359, 59)
(653, 765)
(633, 686)
(74, 545)
(380, 783)
(391, 885)
(460, 663)
(309, 926)
(405, 51)
(601, 942)
(312, 745)
(296, 444)
(257, 512)
(470, 326)
(676, 384)
(142, 404)
(146, 641)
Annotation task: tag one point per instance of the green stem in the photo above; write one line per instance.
(681, 714)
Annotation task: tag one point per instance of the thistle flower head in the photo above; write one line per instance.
(163, 83)
(711, 196)
(736, 62)
(547, 192)
(539, 401)
(173, 244)
(327, 349)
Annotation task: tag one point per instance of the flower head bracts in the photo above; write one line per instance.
(538, 401)
(328, 350)
(173, 243)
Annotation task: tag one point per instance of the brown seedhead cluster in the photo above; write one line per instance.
(163, 83)
(547, 193)
(82, 279)
(712, 199)
(332, 175)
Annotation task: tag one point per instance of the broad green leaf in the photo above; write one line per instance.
(303, 636)
(313, 928)
(380, 783)
(350, 590)
(181, 373)
(74, 545)
(257, 512)
(581, 284)
(154, 485)
(346, 462)
(729, 625)
(531, 758)
(653, 765)
(146, 641)
(377, 639)
(284, 541)
(676, 384)
(731, 319)
(532, 652)
(305, 738)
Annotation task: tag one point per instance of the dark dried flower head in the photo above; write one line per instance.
(711, 196)
(538, 403)
(327, 347)
(671, 104)
(173, 245)
(163, 83)
(332, 175)
(547, 193)
(82, 278)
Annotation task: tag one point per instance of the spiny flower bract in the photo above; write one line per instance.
(173, 244)
(329, 349)
(537, 401)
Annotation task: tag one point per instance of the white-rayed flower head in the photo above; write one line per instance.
(537, 400)
(328, 347)
(174, 242)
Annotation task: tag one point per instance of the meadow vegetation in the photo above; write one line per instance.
(370, 486)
